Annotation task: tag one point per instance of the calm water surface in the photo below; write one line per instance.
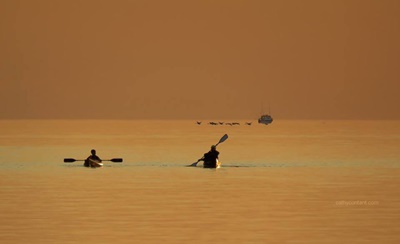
(289, 182)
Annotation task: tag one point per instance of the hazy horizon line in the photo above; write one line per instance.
(208, 120)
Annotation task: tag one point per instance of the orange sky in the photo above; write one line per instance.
(205, 59)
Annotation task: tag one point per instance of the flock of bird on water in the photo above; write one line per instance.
(223, 123)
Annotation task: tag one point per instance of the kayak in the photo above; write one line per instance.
(92, 163)
(217, 165)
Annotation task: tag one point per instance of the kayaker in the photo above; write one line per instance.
(93, 156)
(210, 158)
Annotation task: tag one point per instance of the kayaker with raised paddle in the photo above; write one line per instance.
(89, 161)
(210, 159)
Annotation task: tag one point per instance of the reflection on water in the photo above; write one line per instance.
(287, 182)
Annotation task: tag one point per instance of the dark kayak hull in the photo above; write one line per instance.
(212, 165)
(92, 163)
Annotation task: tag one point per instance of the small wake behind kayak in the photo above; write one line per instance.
(218, 164)
(92, 163)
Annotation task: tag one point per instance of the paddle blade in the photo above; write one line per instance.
(69, 160)
(193, 164)
(117, 160)
(223, 138)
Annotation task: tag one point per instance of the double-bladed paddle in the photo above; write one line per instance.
(114, 160)
(223, 138)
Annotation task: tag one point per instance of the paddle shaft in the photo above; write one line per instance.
(71, 160)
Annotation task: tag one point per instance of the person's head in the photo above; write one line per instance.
(213, 148)
(93, 152)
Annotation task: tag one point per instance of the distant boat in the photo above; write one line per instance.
(265, 119)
